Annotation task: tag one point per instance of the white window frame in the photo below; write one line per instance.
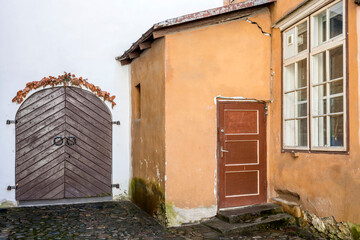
(287, 62)
(309, 55)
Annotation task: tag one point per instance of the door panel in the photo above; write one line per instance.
(80, 165)
(241, 156)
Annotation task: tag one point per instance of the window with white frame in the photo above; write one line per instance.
(314, 81)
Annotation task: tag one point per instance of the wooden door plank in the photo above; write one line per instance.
(94, 169)
(60, 195)
(41, 185)
(34, 141)
(82, 175)
(39, 95)
(87, 143)
(89, 99)
(37, 157)
(43, 150)
(42, 127)
(87, 192)
(28, 172)
(26, 109)
(26, 123)
(90, 156)
(105, 122)
(92, 189)
(79, 120)
(104, 127)
(89, 134)
(24, 185)
(72, 192)
(92, 98)
(56, 193)
(48, 188)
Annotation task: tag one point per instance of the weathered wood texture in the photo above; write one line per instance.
(47, 171)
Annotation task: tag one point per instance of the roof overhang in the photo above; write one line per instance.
(299, 13)
(198, 19)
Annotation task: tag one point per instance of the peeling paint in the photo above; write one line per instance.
(177, 216)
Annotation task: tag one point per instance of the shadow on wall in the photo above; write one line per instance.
(150, 197)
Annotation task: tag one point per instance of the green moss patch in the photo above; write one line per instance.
(150, 197)
(355, 231)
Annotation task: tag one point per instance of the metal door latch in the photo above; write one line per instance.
(71, 140)
(115, 185)
(58, 141)
(222, 151)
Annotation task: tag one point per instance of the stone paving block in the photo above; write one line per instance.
(110, 220)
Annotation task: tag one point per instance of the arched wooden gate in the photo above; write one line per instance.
(63, 145)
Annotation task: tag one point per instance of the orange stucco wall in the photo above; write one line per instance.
(148, 132)
(183, 73)
(328, 184)
(231, 59)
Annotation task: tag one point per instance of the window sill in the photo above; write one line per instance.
(327, 151)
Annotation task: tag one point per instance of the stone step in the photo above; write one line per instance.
(273, 221)
(249, 213)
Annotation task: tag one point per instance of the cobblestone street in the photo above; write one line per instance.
(111, 220)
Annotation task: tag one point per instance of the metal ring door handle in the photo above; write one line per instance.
(71, 141)
(58, 141)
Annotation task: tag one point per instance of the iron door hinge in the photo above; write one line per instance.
(8, 122)
(265, 110)
(9, 188)
(116, 122)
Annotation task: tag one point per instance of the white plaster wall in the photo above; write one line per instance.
(47, 37)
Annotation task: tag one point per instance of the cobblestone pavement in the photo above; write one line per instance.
(110, 220)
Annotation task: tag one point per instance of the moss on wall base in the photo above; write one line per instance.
(150, 197)
(7, 204)
(355, 231)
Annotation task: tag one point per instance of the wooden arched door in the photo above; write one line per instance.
(63, 145)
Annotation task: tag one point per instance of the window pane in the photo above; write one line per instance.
(289, 41)
(301, 103)
(319, 100)
(319, 71)
(336, 87)
(302, 110)
(290, 77)
(320, 28)
(336, 20)
(302, 132)
(336, 62)
(302, 74)
(302, 37)
(289, 105)
(336, 130)
(336, 104)
(289, 133)
(319, 132)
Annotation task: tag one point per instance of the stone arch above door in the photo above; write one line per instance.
(63, 146)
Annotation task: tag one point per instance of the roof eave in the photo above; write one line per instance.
(157, 30)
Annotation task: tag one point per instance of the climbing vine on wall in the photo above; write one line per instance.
(67, 79)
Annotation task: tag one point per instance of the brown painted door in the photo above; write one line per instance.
(63, 145)
(241, 154)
